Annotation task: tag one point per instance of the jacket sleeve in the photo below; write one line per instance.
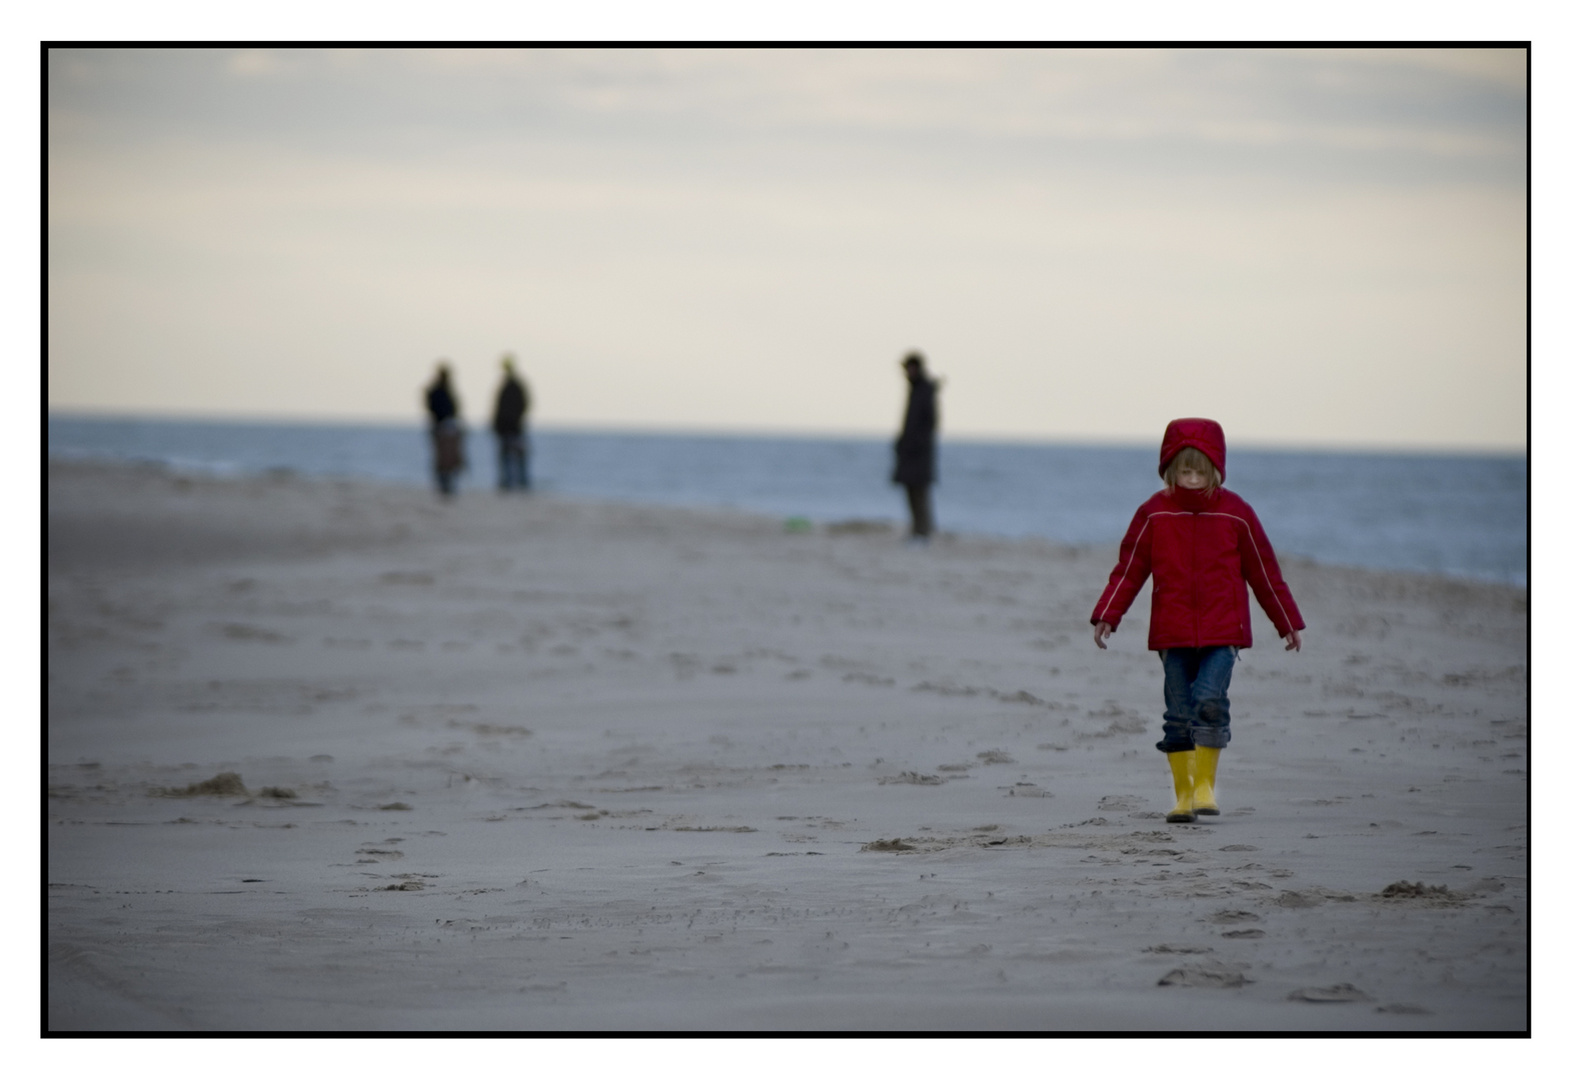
(1265, 577)
(1134, 566)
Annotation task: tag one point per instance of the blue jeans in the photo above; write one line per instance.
(1196, 694)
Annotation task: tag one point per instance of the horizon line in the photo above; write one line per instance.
(1116, 442)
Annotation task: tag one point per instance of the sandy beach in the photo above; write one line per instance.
(333, 756)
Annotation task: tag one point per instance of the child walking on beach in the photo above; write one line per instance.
(1200, 543)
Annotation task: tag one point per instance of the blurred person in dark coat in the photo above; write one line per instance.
(509, 425)
(915, 451)
(449, 454)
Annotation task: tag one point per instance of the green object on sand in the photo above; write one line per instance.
(797, 525)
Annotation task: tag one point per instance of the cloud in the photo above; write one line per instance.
(1431, 101)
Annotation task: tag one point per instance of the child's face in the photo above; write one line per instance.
(1191, 478)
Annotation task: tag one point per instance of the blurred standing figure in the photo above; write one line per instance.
(449, 455)
(509, 424)
(915, 452)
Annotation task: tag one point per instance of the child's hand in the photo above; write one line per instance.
(1102, 632)
(1293, 642)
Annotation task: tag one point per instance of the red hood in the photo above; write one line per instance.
(1204, 435)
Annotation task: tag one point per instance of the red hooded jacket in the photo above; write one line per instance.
(1202, 549)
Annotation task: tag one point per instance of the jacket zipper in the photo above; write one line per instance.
(1194, 573)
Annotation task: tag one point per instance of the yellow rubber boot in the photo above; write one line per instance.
(1205, 779)
(1182, 764)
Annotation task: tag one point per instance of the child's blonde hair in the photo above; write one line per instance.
(1190, 458)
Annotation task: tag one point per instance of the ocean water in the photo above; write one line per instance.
(1463, 516)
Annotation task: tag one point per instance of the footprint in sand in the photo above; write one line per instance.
(244, 632)
(226, 784)
(1215, 976)
(1418, 890)
(1311, 897)
(928, 779)
(1326, 994)
(406, 577)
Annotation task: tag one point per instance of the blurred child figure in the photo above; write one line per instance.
(449, 455)
(1201, 544)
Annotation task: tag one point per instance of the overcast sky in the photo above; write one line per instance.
(1315, 247)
